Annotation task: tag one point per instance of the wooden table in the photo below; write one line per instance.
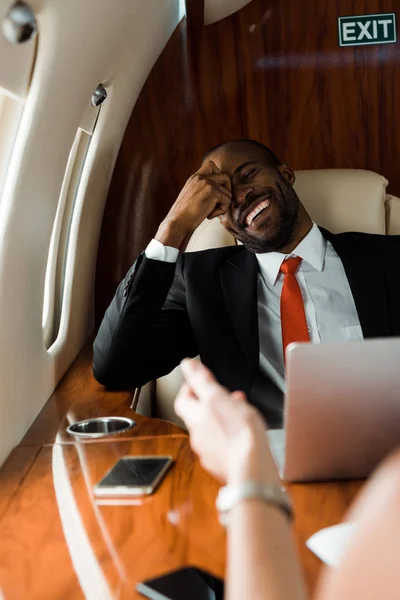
(58, 542)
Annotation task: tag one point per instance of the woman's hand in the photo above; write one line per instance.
(226, 432)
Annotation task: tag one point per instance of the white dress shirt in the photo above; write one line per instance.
(157, 251)
(328, 302)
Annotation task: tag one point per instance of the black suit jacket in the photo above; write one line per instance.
(206, 304)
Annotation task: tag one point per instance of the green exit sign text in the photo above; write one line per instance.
(367, 29)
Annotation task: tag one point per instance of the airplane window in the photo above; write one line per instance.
(181, 9)
(59, 243)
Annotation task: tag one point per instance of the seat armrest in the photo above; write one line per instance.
(142, 402)
(392, 206)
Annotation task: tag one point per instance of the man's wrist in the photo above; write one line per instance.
(171, 234)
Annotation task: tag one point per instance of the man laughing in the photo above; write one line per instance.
(238, 307)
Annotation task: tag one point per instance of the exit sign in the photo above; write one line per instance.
(367, 29)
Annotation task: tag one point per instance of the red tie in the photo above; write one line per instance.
(293, 317)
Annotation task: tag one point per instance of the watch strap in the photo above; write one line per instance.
(231, 495)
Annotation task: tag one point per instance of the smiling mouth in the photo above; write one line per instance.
(259, 208)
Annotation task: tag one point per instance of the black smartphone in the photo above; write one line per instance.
(188, 583)
(134, 476)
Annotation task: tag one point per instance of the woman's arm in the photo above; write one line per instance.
(229, 437)
(262, 561)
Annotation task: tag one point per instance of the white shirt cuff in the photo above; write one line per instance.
(157, 251)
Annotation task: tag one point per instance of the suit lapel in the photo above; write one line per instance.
(366, 277)
(238, 276)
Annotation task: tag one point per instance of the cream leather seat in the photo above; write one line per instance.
(338, 200)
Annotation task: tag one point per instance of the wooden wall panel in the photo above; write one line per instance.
(274, 72)
(194, 13)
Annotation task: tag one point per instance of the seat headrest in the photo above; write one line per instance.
(337, 199)
(344, 199)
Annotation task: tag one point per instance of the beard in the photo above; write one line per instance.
(279, 233)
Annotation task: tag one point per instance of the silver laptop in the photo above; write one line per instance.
(342, 409)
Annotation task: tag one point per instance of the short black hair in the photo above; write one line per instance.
(271, 157)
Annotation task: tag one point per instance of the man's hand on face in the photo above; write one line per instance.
(206, 194)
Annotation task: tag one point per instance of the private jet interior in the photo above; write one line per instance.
(106, 109)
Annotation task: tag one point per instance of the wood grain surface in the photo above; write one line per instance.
(194, 13)
(13, 473)
(274, 72)
(318, 505)
(57, 541)
(78, 397)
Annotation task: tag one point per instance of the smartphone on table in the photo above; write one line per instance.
(188, 583)
(134, 476)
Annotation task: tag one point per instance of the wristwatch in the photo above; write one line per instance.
(230, 495)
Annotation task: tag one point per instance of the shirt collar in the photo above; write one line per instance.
(311, 249)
